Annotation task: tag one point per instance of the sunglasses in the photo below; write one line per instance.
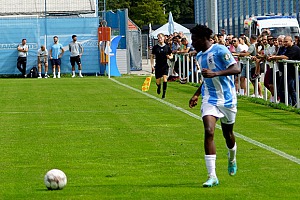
(234, 40)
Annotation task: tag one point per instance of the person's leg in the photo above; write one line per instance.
(46, 69)
(24, 66)
(79, 70)
(232, 147)
(19, 66)
(58, 71)
(40, 70)
(165, 82)
(244, 84)
(292, 91)
(73, 71)
(158, 84)
(210, 150)
(53, 69)
(257, 67)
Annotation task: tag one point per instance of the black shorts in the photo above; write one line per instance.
(160, 71)
(56, 62)
(75, 59)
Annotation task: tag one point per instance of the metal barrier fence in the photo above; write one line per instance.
(188, 71)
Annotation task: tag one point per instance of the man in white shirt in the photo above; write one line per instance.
(43, 59)
(22, 57)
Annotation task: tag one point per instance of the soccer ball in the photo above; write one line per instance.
(55, 179)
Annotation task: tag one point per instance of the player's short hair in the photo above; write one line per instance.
(202, 31)
(55, 37)
(74, 36)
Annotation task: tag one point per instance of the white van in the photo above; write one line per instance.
(277, 25)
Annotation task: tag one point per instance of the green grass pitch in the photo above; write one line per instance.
(116, 143)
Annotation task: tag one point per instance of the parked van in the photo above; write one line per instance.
(277, 25)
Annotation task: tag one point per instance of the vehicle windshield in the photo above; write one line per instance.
(291, 31)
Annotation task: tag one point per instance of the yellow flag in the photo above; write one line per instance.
(146, 84)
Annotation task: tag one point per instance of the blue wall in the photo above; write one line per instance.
(35, 30)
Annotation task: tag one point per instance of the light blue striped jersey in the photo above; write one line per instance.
(220, 90)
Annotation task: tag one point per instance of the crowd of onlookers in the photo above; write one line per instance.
(258, 49)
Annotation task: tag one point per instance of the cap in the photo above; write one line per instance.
(74, 36)
(220, 34)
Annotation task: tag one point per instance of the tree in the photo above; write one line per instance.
(143, 12)
(148, 11)
(182, 11)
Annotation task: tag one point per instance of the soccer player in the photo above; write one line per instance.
(76, 51)
(56, 52)
(43, 59)
(162, 53)
(218, 98)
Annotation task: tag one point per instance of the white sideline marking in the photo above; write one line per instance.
(245, 138)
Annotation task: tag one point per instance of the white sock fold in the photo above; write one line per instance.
(232, 153)
(73, 73)
(210, 161)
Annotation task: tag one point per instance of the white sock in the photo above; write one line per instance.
(210, 161)
(73, 73)
(58, 73)
(40, 74)
(46, 73)
(232, 153)
(79, 72)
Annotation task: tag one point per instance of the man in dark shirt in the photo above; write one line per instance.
(292, 52)
(162, 53)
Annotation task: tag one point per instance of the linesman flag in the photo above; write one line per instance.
(146, 84)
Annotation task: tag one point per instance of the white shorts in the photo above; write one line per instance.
(226, 115)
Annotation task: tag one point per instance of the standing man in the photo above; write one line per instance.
(218, 98)
(56, 52)
(22, 57)
(291, 52)
(162, 53)
(76, 51)
(43, 59)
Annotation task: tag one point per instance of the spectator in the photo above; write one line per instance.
(221, 38)
(76, 51)
(223, 32)
(261, 56)
(22, 57)
(229, 44)
(241, 47)
(252, 52)
(56, 52)
(268, 79)
(292, 52)
(297, 41)
(43, 59)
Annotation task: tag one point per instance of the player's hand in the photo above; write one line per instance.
(193, 101)
(207, 73)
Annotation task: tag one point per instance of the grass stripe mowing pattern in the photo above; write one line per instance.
(115, 143)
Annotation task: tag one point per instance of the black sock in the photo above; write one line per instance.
(158, 88)
(164, 88)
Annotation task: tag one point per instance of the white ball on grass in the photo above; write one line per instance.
(55, 179)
